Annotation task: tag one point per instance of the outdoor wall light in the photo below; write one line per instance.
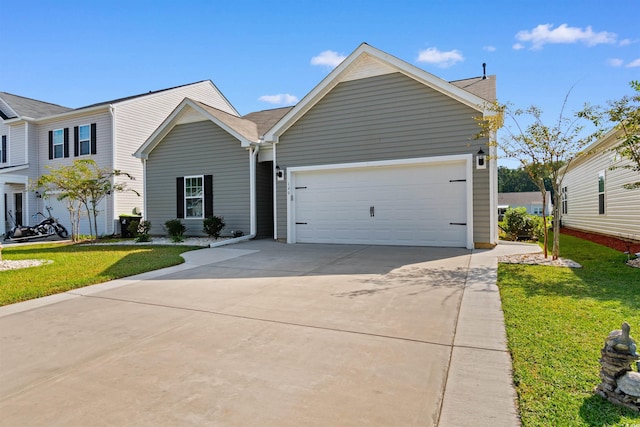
(279, 173)
(38, 195)
(481, 160)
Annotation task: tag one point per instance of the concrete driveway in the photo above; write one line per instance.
(263, 333)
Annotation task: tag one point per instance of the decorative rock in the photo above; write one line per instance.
(629, 384)
(620, 384)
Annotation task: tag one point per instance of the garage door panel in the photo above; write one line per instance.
(404, 205)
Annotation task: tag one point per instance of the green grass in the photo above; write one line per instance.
(75, 266)
(557, 320)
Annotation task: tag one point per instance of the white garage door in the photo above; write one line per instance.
(415, 204)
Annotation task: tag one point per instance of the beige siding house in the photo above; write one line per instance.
(38, 135)
(593, 197)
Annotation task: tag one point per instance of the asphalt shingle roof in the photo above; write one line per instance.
(12, 106)
(265, 119)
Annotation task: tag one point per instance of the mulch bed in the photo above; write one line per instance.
(611, 242)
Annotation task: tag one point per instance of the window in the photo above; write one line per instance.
(84, 139)
(565, 206)
(537, 210)
(58, 143)
(193, 197)
(601, 193)
(3, 150)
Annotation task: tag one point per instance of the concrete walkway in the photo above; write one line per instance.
(262, 333)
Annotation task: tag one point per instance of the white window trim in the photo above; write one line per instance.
(61, 144)
(88, 141)
(192, 197)
(602, 174)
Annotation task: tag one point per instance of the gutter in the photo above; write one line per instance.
(253, 157)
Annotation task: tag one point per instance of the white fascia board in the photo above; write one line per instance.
(335, 77)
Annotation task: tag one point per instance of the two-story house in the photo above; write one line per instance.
(36, 135)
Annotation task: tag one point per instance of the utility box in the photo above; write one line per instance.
(125, 221)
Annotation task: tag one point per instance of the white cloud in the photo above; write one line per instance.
(546, 34)
(279, 99)
(633, 64)
(615, 62)
(441, 59)
(625, 42)
(489, 48)
(518, 46)
(328, 58)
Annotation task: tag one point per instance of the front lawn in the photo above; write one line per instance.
(557, 320)
(75, 266)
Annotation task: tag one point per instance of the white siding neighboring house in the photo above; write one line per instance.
(531, 200)
(36, 134)
(594, 199)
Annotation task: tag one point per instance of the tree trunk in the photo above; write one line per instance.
(544, 224)
(556, 225)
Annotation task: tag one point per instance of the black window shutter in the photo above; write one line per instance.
(94, 148)
(208, 196)
(50, 144)
(4, 149)
(180, 196)
(76, 142)
(66, 142)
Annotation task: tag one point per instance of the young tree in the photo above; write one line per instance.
(541, 149)
(85, 183)
(624, 113)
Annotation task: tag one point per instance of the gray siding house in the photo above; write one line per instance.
(202, 161)
(380, 152)
(37, 135)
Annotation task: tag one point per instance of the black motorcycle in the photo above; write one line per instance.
(49, 226)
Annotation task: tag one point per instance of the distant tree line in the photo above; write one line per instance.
(517, 181)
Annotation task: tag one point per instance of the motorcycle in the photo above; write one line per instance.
(47, 227)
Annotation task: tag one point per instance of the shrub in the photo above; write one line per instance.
(175, 229)
(140, 230)
(213, 225)
(518, 224)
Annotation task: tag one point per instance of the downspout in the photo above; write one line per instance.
(112, 111)
(144, 188)
(253, 156)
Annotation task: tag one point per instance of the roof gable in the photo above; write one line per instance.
(367, 61)
(190, 111)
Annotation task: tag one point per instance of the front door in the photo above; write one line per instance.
(18, 206)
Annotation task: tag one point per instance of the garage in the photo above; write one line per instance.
(417, 202)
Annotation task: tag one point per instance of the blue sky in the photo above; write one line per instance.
(266, 54)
